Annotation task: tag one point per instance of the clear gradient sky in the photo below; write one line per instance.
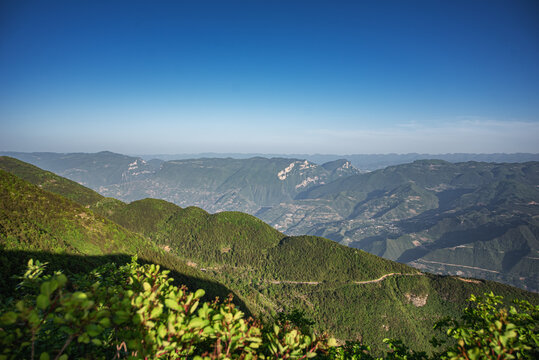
(269, 76)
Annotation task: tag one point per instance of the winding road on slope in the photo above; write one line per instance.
(381, 278)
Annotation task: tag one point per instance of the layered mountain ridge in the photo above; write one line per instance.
(365, 162)
(214, 184)
(471, 219)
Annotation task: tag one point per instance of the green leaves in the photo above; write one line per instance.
(198, 323)
(172, 304)
(199, 293)
(8, 318)
(139, 311)
(488, 330)
(42, 301)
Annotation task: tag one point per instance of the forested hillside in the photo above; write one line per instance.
(468, 219)
(350, 293)
(35, 223)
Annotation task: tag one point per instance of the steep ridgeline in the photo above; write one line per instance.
(468, 219)
(350, 293)
(49, 181)
(213, 184)
(371, 162)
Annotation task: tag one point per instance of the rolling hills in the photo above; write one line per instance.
(348, 292)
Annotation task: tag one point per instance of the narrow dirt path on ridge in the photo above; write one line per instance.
(294, 282)
(381, 278)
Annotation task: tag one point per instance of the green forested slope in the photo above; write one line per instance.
(45, 221)
(343, 289)
(35, 223)
(243, 241)
(328, 280)
(50, 181)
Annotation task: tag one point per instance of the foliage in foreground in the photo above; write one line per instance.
(134, 311)
(486, 330)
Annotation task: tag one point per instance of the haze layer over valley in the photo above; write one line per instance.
(473, 219)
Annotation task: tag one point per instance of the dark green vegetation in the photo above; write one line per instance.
(351, 294)
(469, 219)
(135, 312)
(39, 224)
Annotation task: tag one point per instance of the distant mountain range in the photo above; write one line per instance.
(364, 162)
(472, 218)
(348, 292)
(215, 184)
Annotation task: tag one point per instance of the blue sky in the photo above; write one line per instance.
(269, 76)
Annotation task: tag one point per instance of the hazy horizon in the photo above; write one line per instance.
(368, 77)
(269, 153)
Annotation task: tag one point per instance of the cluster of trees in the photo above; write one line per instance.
(134, 311)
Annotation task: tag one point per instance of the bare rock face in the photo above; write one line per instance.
(417, 300)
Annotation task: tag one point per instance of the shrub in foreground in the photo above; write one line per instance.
(485, 330)
(134, 311)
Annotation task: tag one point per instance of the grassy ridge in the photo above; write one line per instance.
(310, 258)
(45, 221)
